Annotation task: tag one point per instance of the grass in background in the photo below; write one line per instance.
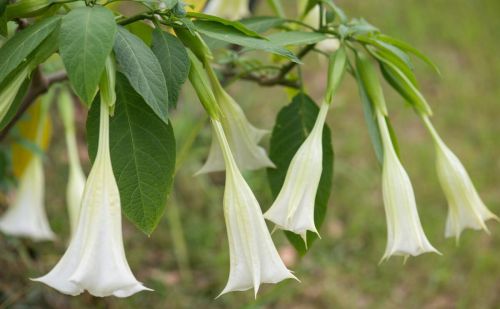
(341, 270)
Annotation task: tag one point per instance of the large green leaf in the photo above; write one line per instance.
(261, 24)
(143, 70)
(15, 104)
(371, 122)
(3, 5)
(229, 34)
(142, 154)
(174, 62)
(4, 31)
(235, 24)
(16, 50)
(410, 49)
(296, 38)
(293, 125)
(86, 40)
(3, 18)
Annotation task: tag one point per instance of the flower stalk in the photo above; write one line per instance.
(76, 178)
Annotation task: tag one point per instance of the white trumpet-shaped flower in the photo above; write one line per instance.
(95, 259)
(26, 217)
(466, 209)
(242, 136)
(254, 258)
(76, 178)
(293, 209)
(405, 235)
(229, 9)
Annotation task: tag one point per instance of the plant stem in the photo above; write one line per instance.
(39, 85)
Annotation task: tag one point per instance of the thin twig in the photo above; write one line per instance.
(40, 84)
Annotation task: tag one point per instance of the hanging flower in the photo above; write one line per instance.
(405, 235)
(229, 9)
(76, 179)
(26, 217)
(466, 209)
(293, 209)
(95, 259)
(254, 258)
(242, 136)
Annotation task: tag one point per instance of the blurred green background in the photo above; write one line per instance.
(186, 259)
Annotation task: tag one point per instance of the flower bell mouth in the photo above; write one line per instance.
(293, 209)
(405, 235)
(254, 258)
(229, 9)
(242, 136)
(27, 217)
(466, 208)
(95, 259)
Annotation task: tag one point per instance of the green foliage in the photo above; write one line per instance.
(174, 62)
(143, 70)
(261, 24)
(86, 40)
(234, 24)
(20, 46)
(3, 5)
(15, 105)
(371, 122)
(232, 35)
(142, 153)
(291, 38)
(293, 124)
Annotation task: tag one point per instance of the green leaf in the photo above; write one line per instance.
(261, 24)
(371, 122)
(393, 54)
(228, 34)
(293, 125)
(174, 62)
(296, 38)
(410, 49)
(399, 81)
(142, 31)
(86, 40)
(143, 70)
(17, 49)
(3, 6)
(15, 104)
(4, 30)
(142, 153)
(235, 24)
